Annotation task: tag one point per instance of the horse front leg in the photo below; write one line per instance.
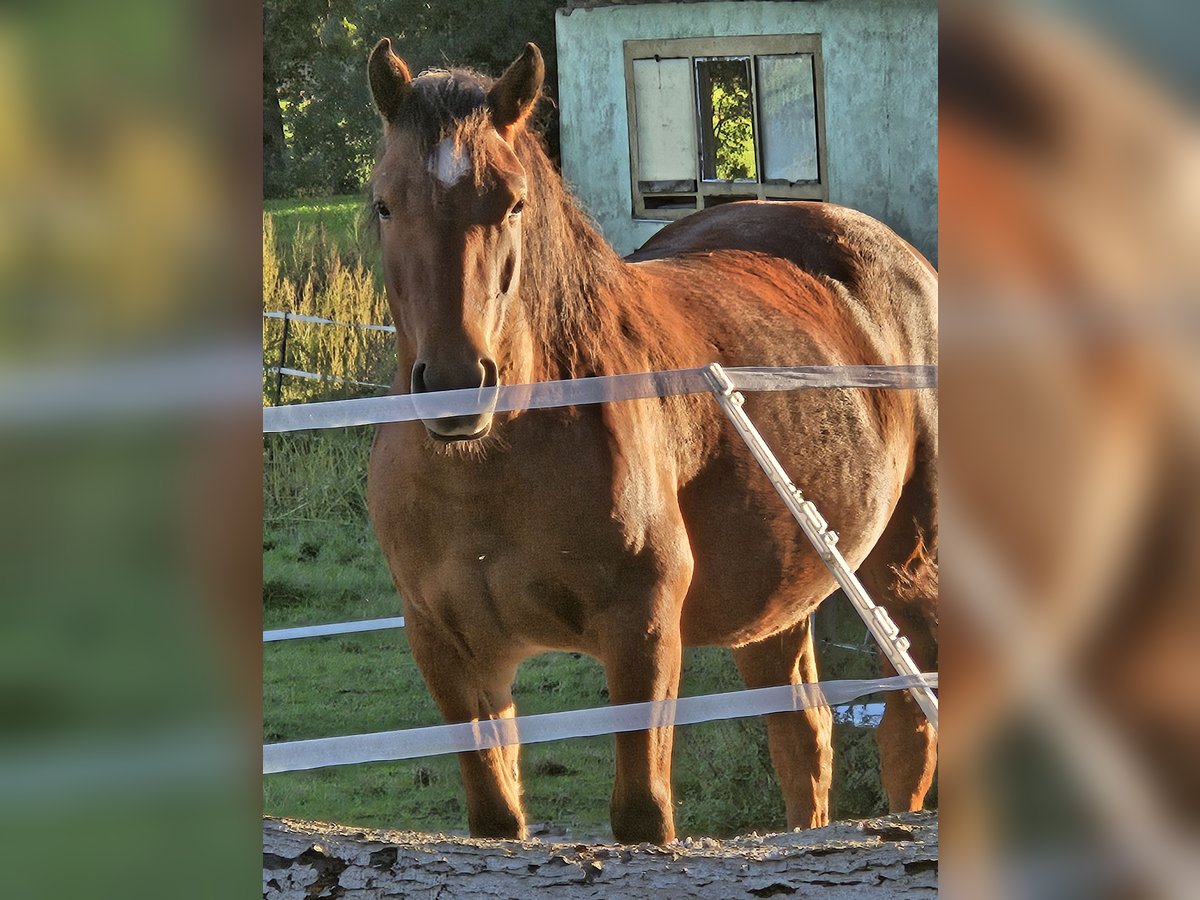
(642, 650)
(642, 663)
(467, 688)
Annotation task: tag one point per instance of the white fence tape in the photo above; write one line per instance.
(335, 628)
(606, 389)
(793, 378)
(317, 320)
(436, 740)
(317, 376)
(310, 631)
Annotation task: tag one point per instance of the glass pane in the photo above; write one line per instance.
(787, 114)
(666, 138)
(726, 119)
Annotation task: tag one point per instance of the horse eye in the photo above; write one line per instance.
(517, 207)
(381, 210)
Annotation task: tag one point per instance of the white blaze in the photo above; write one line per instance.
(448, 163)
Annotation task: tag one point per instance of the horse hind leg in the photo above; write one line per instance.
(801, 742)
(901, 575)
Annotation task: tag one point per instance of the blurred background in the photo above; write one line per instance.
(131, 380)
(1069, 213)
(130, 212)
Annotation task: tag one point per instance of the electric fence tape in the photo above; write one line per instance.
(317, 376)
(318, 320)
(584, 391)
(436, 740)
(311, 631)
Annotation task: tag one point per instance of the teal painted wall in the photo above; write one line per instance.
(880, 101)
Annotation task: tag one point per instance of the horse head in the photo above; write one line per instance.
(448, 194)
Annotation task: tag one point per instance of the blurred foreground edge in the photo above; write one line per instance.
(1069, 215)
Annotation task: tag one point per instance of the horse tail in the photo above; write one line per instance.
(914, 582)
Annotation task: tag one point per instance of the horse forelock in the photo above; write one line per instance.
(442, 101)
(448, 122)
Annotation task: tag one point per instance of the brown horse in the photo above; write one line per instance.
(629, 530)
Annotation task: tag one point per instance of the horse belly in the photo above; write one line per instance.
(755, 573)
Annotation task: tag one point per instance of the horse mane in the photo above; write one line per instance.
(570, 275)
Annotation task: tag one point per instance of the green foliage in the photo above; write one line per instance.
(732, 119)
(315, 93)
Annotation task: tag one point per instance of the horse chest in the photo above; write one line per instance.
(530, 544)
(519, 566)
(510, 501)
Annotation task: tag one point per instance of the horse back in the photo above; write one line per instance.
(877, 267)
(820, 238)
(800, 283)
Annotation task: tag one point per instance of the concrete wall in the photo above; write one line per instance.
(880, 101)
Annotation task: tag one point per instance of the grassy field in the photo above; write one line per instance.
(321, 564)
(341, 217)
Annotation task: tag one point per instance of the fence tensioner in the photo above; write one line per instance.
(816, 529)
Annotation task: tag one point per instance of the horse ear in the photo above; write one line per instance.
(511, 98)
(391, 82)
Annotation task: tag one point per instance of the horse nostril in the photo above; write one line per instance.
(491, 374)
(418, 378)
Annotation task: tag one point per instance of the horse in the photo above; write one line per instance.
(629, 530)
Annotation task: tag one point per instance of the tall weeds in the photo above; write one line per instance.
(316, 476)
(320, 476)
(315, 276)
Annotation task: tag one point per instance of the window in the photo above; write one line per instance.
(718, 119)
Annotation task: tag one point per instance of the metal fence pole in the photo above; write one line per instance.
(282, 358)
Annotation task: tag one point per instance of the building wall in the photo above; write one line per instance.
(880, 61)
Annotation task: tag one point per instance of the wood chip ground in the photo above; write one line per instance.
(890, 857)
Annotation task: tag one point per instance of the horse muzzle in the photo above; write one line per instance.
(452, 429)
(472, 386)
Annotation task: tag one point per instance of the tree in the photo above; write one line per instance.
(315, 95)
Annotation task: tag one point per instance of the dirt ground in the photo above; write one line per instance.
(890, 857)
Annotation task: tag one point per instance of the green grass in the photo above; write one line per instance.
(321, 564)
(341, 217)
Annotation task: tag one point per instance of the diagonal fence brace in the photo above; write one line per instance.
(815, 528)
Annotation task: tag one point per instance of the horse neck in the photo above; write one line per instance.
(580, 297)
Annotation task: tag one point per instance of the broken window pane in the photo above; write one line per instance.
(666, 136)
(787, 109)
(726, 119)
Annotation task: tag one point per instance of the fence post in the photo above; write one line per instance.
(282, 357)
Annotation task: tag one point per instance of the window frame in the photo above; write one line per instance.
(752, 46)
